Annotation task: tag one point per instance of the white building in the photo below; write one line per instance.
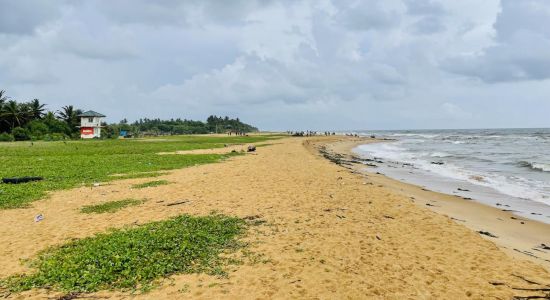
(90, 124)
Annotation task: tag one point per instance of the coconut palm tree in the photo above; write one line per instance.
(4, 124)
(70, 116)
(12, 114)
(66, 113)
(37, 109)
(3, 97)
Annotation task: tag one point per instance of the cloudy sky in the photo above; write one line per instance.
(281, 65)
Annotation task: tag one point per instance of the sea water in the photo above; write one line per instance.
(505, 168)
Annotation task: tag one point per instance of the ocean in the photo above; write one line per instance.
(504, 168)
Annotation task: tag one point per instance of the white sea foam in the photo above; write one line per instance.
(458, 170)
(440, 154)
(541, 167)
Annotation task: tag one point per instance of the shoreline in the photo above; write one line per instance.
(324, 231)
(517, 236)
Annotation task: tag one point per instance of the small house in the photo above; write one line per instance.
(90, 124)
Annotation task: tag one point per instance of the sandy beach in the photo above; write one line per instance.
(330, 232)
(518, 236)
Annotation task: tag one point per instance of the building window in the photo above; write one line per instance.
(91, 120)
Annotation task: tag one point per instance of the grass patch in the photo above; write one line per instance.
(138, 175)
(110, 207)
(134, 258)
(150, 184)
(67, 164)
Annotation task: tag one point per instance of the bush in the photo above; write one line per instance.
(55, 137)
(38, 129)
(20, 134)
(6, 137)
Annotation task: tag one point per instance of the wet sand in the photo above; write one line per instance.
(329, 233)
(517, 236)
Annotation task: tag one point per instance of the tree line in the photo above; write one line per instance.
(31, 121)
(149, 127)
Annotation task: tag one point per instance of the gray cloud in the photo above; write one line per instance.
(180, 13)
(363, 15)
(23, 17)
(521, 50)
(428, 25)
(284, 64)
(424, 7)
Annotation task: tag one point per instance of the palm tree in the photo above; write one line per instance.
(37, 109)
(12, 114)
(4, 124)
(3, 97)
(66, 113)
(70, 116)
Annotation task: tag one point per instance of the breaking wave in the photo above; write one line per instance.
(534, 166)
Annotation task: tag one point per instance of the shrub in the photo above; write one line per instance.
(55, 137)
(38, 129)
(20, 134)
(6, 137)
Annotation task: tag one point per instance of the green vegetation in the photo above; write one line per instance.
(111, 206)
(150, 184)
(21, 121)
(214, 124)
(67, 164)
(134, 258)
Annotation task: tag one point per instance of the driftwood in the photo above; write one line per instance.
(487, 233)
(531, 297)
(177, 203)
(16, 180)
(544, 289)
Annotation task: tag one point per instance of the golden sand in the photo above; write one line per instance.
(515, 235)
(329, 234)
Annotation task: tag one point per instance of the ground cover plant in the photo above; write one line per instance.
(67, 164)
(150, 184)
(134, 258)
(110, 207)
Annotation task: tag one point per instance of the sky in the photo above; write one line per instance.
(285, 65)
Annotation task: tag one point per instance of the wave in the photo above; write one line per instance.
(421, 135)
(534, 166)
(452, 168)
(440, 154)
